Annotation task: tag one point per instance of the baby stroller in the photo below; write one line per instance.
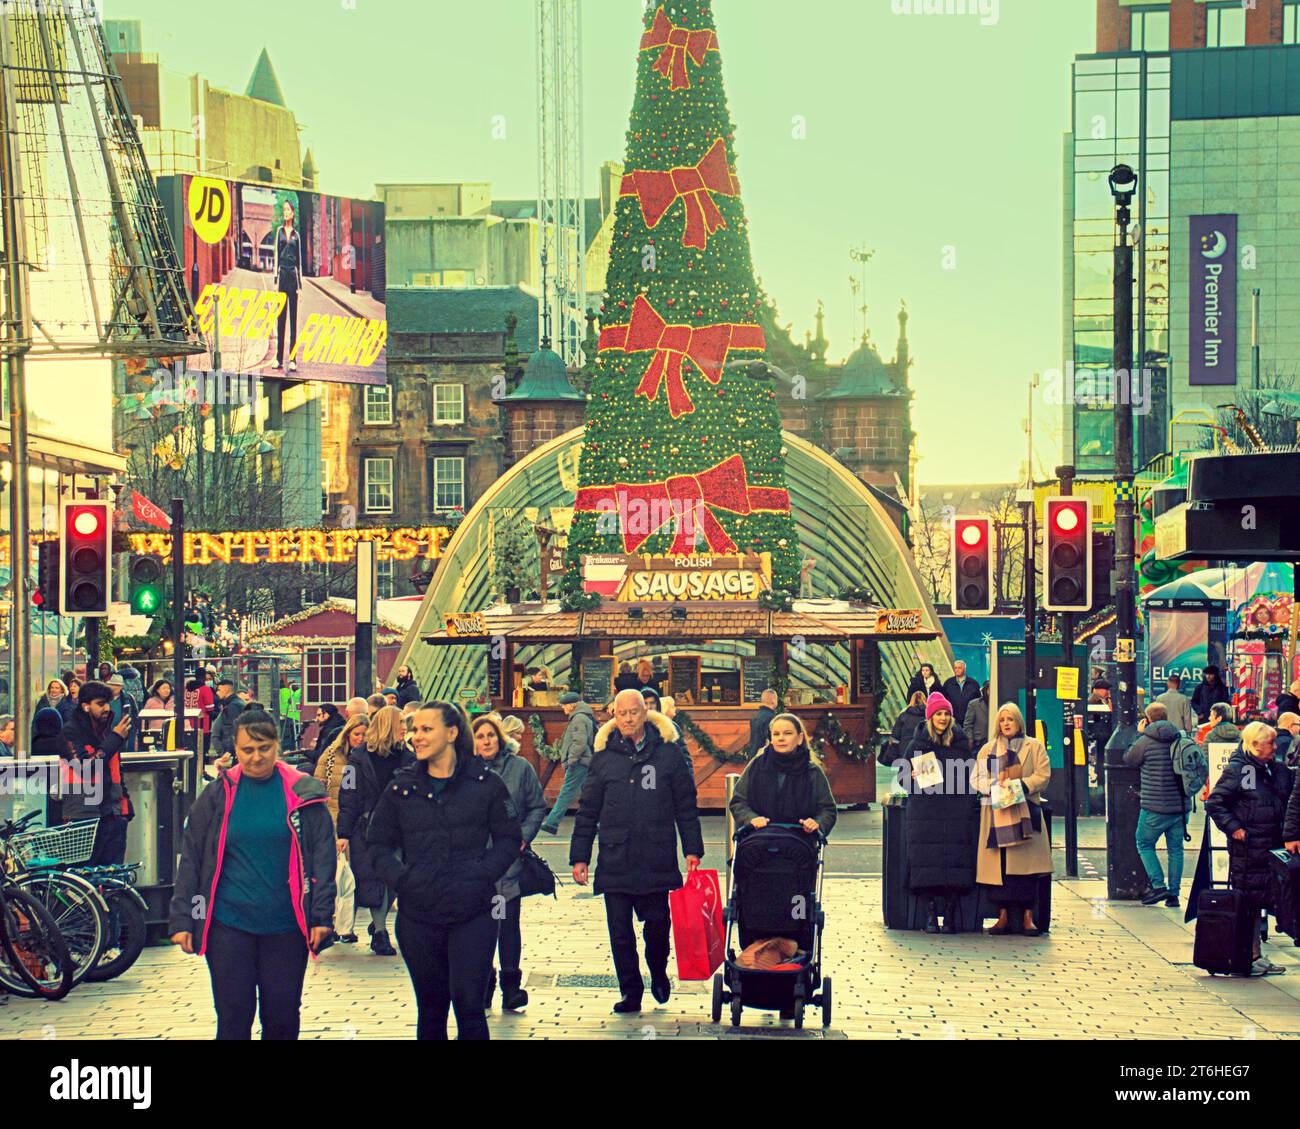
(776, 891)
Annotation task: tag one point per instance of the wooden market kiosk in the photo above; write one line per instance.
(718, 692)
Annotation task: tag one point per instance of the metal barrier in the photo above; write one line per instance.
(729, 789)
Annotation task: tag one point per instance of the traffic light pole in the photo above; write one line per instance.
(1066, 476)
(17, 341)
(92, 647)
(178, 634)
(1125, 594)
(1125, 874)
(1031, 618)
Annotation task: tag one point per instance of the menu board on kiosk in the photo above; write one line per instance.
(868, 657)
(759, 672)
(597, 680)
(684, 678)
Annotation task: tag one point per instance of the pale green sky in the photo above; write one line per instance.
(934, 139)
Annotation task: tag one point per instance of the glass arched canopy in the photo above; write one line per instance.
(841, 524)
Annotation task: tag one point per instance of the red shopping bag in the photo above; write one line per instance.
(698, 935)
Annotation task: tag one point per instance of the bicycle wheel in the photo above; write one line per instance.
(34, 959)
(78, 911)
(127, 935)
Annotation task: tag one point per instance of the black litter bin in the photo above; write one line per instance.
(904, 910)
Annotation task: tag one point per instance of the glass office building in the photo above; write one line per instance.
(1120, 115)
(1203, 100)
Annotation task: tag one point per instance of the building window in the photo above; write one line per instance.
(379, 486)
(1225, 25)
(1291, 22)
(448, 485)
(378, 401)
(1094, 434)
(1149, 30)
(448, 403)
(325, 482)
(324, 394)
(325, 676)
(384, 579)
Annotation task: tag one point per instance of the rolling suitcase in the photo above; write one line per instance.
(1286, 893)
(1225, 932)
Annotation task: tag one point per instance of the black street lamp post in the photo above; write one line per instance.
(1125, 875)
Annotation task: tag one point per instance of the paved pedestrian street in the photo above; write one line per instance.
(1106, 971)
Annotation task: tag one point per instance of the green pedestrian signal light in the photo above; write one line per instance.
(145, 601)
(146, 574)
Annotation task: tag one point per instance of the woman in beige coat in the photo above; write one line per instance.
(1014, 852)
(330, 768)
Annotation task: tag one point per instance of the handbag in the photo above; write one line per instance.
(535, 877)
(698, 939)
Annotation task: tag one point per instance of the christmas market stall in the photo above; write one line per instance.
(317, 649)
(714, 658)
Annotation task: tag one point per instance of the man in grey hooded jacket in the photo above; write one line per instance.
(576, 747)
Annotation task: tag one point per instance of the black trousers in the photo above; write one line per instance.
(449, 969)
(289, 288)
(110, 841)
(652, 909)
(510, 941)
(250, 971)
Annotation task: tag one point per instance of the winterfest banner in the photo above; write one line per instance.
(1212, 293)
(298, 546)
(292, 280)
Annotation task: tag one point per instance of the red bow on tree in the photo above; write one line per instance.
(678, 43)
(687, 502)
(707, 346)
(694, 185)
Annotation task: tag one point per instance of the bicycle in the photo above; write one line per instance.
(128, 925)
(34, 958)
(33, 860)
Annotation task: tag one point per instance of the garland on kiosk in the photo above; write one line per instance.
(706, 743)
(540, 747)
(834, 734)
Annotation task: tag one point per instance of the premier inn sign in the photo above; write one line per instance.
(1212, 292)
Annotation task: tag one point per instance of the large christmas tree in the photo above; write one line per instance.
(682, 451)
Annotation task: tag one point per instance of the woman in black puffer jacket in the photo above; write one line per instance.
(370, 770)
(1249, 805)
(442, 835)
(905, 727)
(942, 818)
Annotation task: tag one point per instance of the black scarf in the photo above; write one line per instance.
(781, 787)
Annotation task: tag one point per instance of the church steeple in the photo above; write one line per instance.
(263, 84)
(819, 343)
(903, 357)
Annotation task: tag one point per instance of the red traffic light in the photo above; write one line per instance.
(83, 579)
(972, 535)
(86, 522)
(1067, 519)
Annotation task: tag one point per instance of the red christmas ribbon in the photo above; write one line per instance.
(706, 346)
(687, 502)
(694, 185)
(679, 44)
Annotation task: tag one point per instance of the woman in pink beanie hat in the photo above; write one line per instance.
(934, 703)
(942, 816)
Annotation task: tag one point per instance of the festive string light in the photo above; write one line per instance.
(298, 546)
